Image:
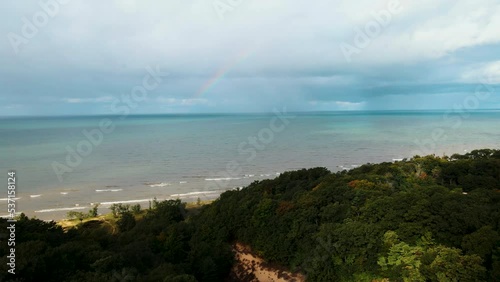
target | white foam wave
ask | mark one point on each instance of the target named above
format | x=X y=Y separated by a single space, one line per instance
x=64 y=193
x=162 y=184
x=6 y=199
x=222 y=179
x=9 y=215
x=190 y=194
x=35 y=196
x=127 y=201
x=61 y=209
x=183 y=182
x=108 y=190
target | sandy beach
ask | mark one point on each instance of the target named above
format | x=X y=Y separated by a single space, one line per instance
x=250 y=267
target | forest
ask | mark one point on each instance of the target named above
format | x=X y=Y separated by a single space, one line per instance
x=428 y=218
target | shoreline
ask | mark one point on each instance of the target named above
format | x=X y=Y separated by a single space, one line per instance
x=61 y=213
x=56 y=213
x=68 y=223
x=53 y=204
x=111 y=194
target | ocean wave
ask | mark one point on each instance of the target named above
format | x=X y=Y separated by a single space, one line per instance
x=190 y=194
x=348 y=167
x=183 y=182
x=35 y=196
x=222 y=179
x=127 y=201
x=8 y=215
x=61 y=209
x=6 y=199
x=161 y=184
x=194 y=176
x=64 y=193
x=108 y=190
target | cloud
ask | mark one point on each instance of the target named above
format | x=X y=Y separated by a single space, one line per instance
x=182 y=102
x=349 y=105
x=263 y=54
x=488 y=73
x=105 y=99
x=337 y=105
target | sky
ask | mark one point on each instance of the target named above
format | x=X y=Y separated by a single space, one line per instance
x=71 y=57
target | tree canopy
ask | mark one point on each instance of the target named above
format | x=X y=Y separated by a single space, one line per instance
x=427 y=218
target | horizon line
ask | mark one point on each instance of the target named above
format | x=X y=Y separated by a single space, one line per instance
x=238 y=113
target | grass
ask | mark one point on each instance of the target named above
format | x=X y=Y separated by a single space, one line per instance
x=70 y=223
x=108 y=218
x=192 y=205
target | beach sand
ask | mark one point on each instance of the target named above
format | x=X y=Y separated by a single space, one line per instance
x=249 y=267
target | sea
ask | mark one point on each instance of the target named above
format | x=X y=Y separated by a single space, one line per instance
x=69 y=163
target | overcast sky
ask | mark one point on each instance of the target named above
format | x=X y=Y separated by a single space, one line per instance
x=80 y=57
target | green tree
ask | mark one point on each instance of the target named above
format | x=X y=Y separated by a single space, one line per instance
x=77 y=215
x=126 y=221
x=482 y=242
x=427 y=261
x=450 y=265
x=93 y=212
x=136 y=209
x=118 y=209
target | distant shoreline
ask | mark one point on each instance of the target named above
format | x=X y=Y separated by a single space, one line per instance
x=67 y=222
x=60 y=213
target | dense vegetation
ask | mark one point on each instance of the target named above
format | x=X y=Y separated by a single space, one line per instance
x=425 y=219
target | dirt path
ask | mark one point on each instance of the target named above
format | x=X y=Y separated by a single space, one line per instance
x=249 y=267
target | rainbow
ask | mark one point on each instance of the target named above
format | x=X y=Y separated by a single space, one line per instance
x=221 y=72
